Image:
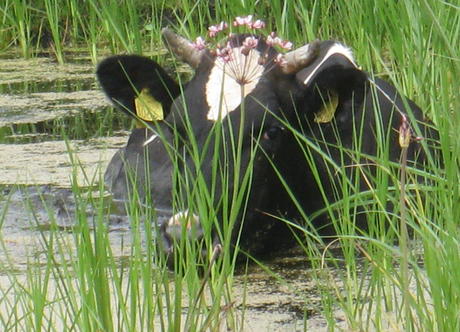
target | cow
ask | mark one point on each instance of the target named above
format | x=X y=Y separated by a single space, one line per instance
x=253 y=126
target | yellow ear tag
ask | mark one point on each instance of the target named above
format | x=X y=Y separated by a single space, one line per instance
x=147 y=108
x=327 y=112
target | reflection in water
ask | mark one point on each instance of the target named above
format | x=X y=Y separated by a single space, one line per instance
x=58 y=85
x=79 y=124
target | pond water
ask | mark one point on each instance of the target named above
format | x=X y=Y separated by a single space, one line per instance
x=52 y=116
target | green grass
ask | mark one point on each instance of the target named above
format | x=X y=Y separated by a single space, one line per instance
x=79 y=283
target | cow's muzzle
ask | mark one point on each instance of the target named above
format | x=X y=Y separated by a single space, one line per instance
x=182 y=234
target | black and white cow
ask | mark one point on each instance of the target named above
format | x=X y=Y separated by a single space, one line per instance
x=286 y=119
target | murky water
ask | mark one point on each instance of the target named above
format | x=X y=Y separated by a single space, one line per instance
x=41 y=107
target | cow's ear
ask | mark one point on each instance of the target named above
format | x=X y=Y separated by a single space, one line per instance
x=335 y=81
x=138 y=86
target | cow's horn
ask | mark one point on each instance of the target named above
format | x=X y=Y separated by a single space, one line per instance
x=300 y=58
x=182 y=48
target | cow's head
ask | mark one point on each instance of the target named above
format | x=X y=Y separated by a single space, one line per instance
x=231 y=128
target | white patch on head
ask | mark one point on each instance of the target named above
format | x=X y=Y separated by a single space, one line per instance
x=224 y=87
x=335 y=49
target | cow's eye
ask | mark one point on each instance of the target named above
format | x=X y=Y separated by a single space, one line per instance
x=273 y=132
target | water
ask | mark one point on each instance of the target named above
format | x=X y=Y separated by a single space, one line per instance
x=45 y=109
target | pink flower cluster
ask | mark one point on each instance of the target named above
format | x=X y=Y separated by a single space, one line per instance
x=250 y=43
x=247 y=21
x=280 y=60
x=214 y=29
x=199 y=43
x=225 y=53
x=274 y=40
x=239 y=21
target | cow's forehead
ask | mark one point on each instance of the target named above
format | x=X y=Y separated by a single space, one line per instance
x=230 y=81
